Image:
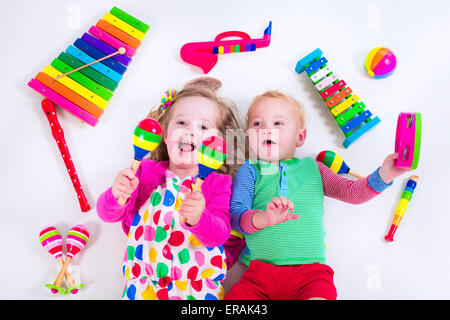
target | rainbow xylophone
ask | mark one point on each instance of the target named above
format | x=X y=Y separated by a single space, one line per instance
x=82 y=79
x=349 y=112
x=86 y=93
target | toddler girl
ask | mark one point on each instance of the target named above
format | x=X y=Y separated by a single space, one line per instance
x=166 y=258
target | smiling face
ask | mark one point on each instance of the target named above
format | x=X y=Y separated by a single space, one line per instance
x=275 y=129
x=193 y=120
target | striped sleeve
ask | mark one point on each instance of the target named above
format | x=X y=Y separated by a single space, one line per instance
x=350 y=191
x=242 y=194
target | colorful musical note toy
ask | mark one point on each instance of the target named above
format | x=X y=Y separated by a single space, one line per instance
x=51 y=240
x=210 y=156
x=336 y=164
x=401 y=207
x=76 y=240
x=146 y=138
x=408 y=139
x=348 y=111
x=82 y=79
x=204 y=54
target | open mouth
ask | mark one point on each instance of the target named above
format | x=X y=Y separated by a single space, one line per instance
x=186 y=146
x=268 y=142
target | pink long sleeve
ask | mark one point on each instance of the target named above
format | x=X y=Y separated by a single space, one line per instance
x=347 y=190
x=334 y=186
x=212 y=230
x=150 y=174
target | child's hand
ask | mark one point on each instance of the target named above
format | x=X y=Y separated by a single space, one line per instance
x=192 y=207
x=388 y=171
x=276 y=213
x=124 y=184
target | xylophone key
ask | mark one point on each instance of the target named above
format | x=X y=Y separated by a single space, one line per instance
x=113 y=42
x=320 y=74
x=125 y=27
x=56 y=86
x=338 y=97
x=76 y=87
x=82 y=79
x=63 y=102
x=334 y=88
x=356 y=121
x=89 y=72
x=341 y=107
x=343 y=118
x=122 y=25
x=106 y=49
x=100 y=67
x=326 y=82
x=132 y=21
x=97 y=54
x=119 y=34
x=316 y=65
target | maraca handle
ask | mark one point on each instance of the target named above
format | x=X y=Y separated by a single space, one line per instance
x=58 y=134
x=134 y=167
x=61 y=273
x=196 y=187
x=69 y=279
x=356 y=175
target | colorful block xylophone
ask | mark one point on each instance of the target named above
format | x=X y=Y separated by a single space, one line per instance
x=349 y=112
x=82 y=79
x=86 y=93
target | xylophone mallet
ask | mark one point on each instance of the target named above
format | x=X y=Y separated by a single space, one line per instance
x=333 y=161
x=146 y=138
x=401 y=207
x=210 y=156
x=120 y=51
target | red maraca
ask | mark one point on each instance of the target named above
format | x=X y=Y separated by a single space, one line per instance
x=147 y=136
x=77 y=239
x=51 y=240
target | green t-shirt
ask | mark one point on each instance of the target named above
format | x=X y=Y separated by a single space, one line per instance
x=298 y=241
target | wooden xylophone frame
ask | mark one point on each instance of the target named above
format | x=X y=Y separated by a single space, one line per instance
x=348 y=111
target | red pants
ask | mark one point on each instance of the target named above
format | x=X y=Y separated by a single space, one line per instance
x=264 y=281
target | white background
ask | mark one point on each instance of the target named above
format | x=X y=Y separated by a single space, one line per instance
x=35 y=187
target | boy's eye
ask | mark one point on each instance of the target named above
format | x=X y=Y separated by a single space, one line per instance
x=278 y=123
x=257 y=123
x=203 y=127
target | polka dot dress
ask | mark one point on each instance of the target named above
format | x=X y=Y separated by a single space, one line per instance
x=163 y=260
